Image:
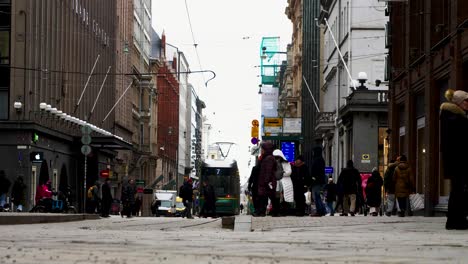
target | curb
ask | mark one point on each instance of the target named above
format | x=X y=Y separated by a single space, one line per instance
x=25 y=219
x=243 y=223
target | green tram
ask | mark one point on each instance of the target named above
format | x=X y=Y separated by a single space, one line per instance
x=224 y=176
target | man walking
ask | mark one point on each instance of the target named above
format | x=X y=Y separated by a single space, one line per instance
x=186 y=193
x=350 y=184
x=318 y=181
x=106 y=198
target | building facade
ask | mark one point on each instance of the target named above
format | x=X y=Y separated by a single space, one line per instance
x=428 y=54
x=48 y=50
x=353 y=118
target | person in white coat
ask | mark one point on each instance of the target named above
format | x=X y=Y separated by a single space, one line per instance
x=285 y=186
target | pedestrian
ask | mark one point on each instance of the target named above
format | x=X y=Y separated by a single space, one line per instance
x=252 y=187
x=128 y=198
x=106 y=201
x=241 y=207
x=4 y=188
x=374 y=192
x=18 y=193
x=209 y=206
x=300 y=172
x=350 y=184
x=330 y=197
x=93 y=198
x=285 y=183
x=186 y=193
x=404 y=184
x=317 y=171
x=454 y=141
x=389 y=185
x=266 y=178
x=137 y=206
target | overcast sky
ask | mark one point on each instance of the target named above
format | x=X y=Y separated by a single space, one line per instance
x=228 y=34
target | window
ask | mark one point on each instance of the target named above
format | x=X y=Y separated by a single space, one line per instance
x=4 y=47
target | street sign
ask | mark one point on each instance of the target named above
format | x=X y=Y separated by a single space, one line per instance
x=255 y=123
x=254 y=141
x=86 y=139
x=328 y=170
x=86 y=130
x=147 y=191
x=254 y=132
x=85 y=150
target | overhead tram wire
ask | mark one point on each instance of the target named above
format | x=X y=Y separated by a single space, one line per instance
x=195 y=45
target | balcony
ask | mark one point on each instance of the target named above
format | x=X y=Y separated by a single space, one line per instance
x=325 y=122
x=363 y=100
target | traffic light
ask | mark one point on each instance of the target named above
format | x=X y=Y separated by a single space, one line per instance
x=35 y=137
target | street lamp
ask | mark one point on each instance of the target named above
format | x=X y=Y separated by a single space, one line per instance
x=362 y=78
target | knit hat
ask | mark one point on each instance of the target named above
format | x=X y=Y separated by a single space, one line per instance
x=459 y=96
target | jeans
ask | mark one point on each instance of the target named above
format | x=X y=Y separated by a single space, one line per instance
x=188 y=209
x=319 y=206
x=330 y=208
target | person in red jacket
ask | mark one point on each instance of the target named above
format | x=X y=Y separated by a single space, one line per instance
x=43 y=192
x=266 y=177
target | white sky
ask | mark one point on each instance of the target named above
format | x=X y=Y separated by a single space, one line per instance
x=228 y=34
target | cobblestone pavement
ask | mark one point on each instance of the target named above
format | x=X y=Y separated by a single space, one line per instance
x=274 y=240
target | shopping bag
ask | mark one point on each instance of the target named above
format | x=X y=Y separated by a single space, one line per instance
x=416 y=201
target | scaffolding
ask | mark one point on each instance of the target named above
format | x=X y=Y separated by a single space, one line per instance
x=270 y=60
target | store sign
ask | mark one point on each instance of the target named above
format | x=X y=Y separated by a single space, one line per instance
x=36 y=157
x=292 y=125
x=272 y=126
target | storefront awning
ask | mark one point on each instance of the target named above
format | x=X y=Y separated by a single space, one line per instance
x=110 y=143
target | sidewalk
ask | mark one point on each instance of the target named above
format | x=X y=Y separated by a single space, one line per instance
x=37 y=218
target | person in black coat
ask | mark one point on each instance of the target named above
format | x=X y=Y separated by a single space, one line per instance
x=252 y=187
x=106 y=201
x=300 y=172
x=18 y=193
x=374 y=192
x=209 y=207
x=349 y=183
x=128 y=198
x=317 y=171
x=454 y=141
x=186 y=193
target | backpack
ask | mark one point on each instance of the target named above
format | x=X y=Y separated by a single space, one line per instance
x=279 y=171
x=90 y=192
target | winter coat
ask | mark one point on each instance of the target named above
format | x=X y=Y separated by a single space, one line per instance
x=332 y=191
x=298 y=176
x=349 y=181
x=186 y=192
x=403 y=178
x=42 y=191
x=266 y=177
x=374 y=190
x=128 y=194
x=454 y=140
x=18 y=192
x=288 y=191
x=253 y=180
x=210 y=197
x=317 y=170
x=106 y=194
x=388 y=178
x=4 y=183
